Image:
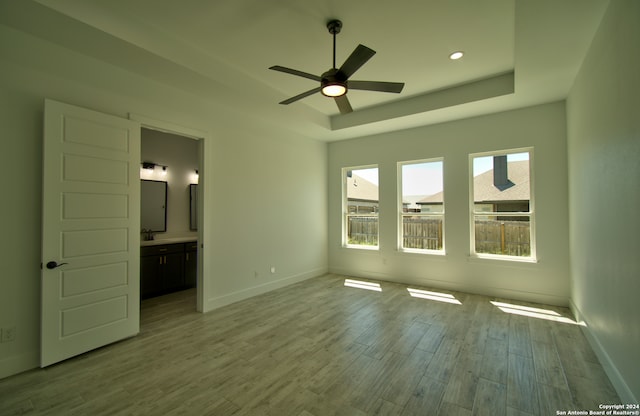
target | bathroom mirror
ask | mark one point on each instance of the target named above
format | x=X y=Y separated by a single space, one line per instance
x=153 y=205
x=193 y=205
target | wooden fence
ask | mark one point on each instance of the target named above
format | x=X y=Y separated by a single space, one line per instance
x=363 y=231
x=510 y=238
x=418 y=232
x=422 y=233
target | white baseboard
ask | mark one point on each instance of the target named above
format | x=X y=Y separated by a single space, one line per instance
x=19 y=363
x=542 y=298
x=220 y=301
x=623 y=390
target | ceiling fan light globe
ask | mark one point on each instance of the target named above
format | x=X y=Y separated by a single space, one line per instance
x=334 y=90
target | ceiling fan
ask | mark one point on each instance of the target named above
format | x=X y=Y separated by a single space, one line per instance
x=335 y=82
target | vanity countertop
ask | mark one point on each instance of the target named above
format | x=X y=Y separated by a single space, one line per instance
x=174 y=240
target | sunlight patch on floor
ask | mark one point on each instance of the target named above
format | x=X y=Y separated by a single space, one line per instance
x=539 y=313
x=363 y=285
x=440 y=297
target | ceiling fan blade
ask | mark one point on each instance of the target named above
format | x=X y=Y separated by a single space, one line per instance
x=295 y=72
x=343 y=104
x=376 y=86
x=360 y=55
x=301 y=96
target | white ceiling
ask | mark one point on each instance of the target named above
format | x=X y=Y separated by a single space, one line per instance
x=230 y=44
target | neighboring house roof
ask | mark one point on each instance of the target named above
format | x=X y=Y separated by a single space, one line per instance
x=412 y=199
x=431 y=199
x=360 y=189
x=518 y=175
x=486 y=191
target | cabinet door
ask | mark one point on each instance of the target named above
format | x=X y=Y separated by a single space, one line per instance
x=190 y=264
x=150 y=282
x=173 y=271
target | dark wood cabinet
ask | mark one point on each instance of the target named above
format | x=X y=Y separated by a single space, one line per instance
x=173 y=271
x=166 y=268
x=149 y=270
x=190 y=264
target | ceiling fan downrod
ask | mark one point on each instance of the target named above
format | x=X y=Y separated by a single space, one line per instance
x=334 y=27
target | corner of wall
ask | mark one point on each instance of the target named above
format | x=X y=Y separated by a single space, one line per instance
x=227 y=299
x=620 y=385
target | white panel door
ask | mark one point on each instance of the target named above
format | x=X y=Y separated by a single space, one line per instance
x=90 y=231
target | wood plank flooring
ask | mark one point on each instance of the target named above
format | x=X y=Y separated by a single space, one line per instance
x=319 y=348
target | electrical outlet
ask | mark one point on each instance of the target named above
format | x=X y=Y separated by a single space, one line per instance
x=9 y=334
x=273 y=269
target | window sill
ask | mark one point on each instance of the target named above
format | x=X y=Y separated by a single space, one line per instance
x=438 y=253
x=502 y=259
x=357 y=247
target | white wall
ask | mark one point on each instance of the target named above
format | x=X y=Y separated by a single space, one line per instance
x=270 y=210
x=267 y=186
x=180 y=155
x=542 y=127
x=603 y=121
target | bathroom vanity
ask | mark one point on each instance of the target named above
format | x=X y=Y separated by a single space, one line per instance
x=167 y=266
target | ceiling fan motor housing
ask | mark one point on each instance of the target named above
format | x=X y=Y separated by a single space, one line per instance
x=333 y=77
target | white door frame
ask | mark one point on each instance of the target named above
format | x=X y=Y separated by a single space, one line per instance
x=204 y=199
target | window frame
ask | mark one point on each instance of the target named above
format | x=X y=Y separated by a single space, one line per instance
x=402 y=214
x=346 y=215
x=473 y=214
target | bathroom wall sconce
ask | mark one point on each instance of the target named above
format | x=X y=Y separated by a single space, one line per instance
x=153 y=171
x=152 y=166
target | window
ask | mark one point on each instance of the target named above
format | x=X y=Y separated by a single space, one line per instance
x=421 y=206
x=360 y=205
x=502 y=215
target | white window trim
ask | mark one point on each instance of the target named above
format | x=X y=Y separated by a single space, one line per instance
x=346 y=214
x=401 y=214
x=531 y=214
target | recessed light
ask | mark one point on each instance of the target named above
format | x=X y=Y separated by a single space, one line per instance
x=456 y=55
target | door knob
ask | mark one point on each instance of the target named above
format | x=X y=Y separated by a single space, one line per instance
x=52 y=265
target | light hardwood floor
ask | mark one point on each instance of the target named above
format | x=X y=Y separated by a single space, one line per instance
x=322 y=348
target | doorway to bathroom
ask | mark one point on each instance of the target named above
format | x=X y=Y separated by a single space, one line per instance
x=169 y=174
x=177 y=154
